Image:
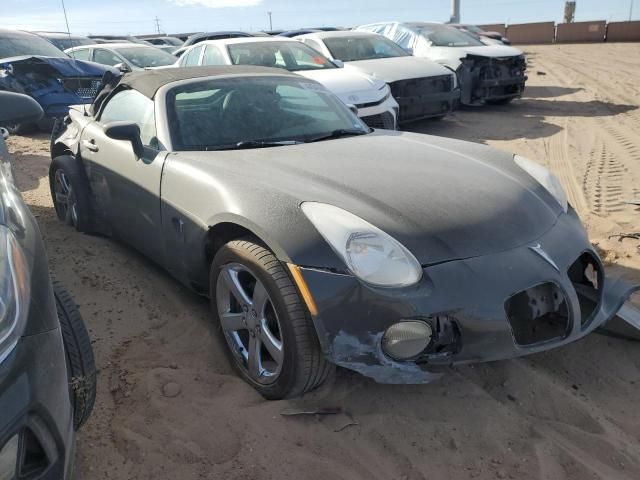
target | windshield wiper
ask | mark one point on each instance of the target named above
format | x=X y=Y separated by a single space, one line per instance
x=246 y=144
x=341 y=132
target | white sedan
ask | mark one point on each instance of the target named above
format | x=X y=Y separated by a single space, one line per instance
x=486 y=73
x=422 y=87
x=371 y=96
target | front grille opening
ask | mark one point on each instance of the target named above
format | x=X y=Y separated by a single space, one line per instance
x=33 y=459
x=538 y=314
x=383 y=120
x=587 y=276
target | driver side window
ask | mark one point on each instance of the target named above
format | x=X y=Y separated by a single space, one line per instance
x=132 y=106
x=105 y=57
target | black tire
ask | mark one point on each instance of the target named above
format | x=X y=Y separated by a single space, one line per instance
x=76 y=209
x=21 y=128
x=80 y=361
x=304 y=366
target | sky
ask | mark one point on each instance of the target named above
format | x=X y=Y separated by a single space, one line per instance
x=182 y=16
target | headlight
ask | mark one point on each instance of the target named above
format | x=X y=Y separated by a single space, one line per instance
x=14 y=292
x=547 y=179
x=369 y=253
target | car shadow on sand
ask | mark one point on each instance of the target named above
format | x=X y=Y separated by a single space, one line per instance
x=529 y=118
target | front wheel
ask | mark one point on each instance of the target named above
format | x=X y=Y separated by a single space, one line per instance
x=270 y=337
x=70 y=193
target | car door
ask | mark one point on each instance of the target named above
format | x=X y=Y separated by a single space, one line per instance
x=127 y=188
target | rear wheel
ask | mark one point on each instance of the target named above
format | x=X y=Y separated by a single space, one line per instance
x=21 y=128
x=270 y=337
x=79 y=353
x=70 y=193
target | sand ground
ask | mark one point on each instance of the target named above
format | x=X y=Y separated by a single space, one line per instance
x=570 y=413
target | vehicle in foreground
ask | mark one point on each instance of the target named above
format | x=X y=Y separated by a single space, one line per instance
x=488 y=37
x=47 y=370
x=321 y=242
x=31 y=65
x=125 y=56
x=63 y=41
x=370 y=96
x=486 y=73
x=421 y=87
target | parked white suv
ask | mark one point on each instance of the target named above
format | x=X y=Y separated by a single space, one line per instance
x=372 y=96
x=486 y=73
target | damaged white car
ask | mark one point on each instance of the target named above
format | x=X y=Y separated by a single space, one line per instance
x=486 y=73
x=421 y=87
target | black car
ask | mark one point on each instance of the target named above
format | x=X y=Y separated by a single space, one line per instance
x=47 y=369
x=31 y=65
x=63 y=41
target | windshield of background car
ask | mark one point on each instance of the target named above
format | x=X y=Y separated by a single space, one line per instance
x=444 y=36
x=292 y=56
x=18 y=45
x=66 y=43
x=219 y=114
x=349 y=49
x=147 y=57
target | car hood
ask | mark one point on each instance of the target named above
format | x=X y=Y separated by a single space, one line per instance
x=65 y=67
x=493 y=51
x=347 y=84
x=443 y=199
x=399 y=68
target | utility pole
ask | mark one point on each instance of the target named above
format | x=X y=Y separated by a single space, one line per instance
x=631 y=10
x=270 y=22
x=455 y=11
x=157 y=22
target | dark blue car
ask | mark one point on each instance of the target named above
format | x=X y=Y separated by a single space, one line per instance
x=31 y=65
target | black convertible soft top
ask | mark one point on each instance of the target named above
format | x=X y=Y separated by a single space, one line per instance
x=148 y=82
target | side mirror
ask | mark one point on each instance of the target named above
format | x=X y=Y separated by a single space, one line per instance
x=353 y=108
x=18 y=108
x=127 y=131
x=338 y=63
x=123 y=67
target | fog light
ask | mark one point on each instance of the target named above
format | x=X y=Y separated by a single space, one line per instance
x=406 y=340
x=9 y=459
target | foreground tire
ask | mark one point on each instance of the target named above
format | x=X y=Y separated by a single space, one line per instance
x=70 y=193
x=79 y=353
x=270 y=337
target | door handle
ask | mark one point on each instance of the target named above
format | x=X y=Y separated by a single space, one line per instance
x=90 y=145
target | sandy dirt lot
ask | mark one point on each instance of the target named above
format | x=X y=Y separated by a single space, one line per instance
x=570 y=413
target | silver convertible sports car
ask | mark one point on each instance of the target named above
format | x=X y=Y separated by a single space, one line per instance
x=320 y=241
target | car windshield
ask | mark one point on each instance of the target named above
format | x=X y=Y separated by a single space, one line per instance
x=349 y=49
x=227 y=114
x=293 y=56
x=18 y=45
x=173 y=41
x=66 y=43
x=147 y=56
x=445 y=36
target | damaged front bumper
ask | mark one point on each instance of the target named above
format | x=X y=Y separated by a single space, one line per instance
x=485 y=80
x=55 y=83
x=498 y=306
x=427 y=97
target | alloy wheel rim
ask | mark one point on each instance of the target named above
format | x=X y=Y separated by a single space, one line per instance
x=65 y=197
x=250 y=323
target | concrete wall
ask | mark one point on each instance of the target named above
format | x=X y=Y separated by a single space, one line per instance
x=543 y=32
x=623 y=32
x=495 y=27
x=581 y=32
